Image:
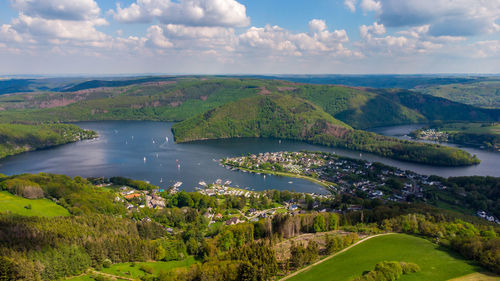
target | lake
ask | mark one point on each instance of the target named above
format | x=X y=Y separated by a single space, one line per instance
x=140 y=150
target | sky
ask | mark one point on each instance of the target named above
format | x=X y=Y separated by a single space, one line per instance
x=68 y=37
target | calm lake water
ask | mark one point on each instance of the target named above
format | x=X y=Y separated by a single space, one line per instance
x=140 y=150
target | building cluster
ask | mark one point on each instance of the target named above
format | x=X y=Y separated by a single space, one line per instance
x=432 y=135
x=140 y=198
x=302 y=163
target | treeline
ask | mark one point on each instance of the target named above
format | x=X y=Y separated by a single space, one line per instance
x=18 y=138
x=33 y=248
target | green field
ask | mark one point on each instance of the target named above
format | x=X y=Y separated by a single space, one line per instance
x=39 y=207
x=472 y=128
x=127 y=270
x=435 y=262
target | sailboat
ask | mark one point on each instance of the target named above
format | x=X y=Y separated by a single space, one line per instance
x=144 y=159
x=166 y=139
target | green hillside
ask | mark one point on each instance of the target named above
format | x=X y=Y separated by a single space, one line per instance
x=18 y=138
x=283 y=116
x=482 y=94
x=29 y=207
x=435 y=262
x=180 y=98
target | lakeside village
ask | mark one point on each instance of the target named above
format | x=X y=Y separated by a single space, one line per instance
x=339 y=175
x=135 y=199
x=344 y=175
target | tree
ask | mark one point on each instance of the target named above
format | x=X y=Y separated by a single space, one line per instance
x=333 y=221
x=319 y=223
x=160 y=253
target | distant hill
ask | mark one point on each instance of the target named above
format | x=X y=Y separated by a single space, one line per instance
x=482 y=94
x=284 y=116
x=183 y=97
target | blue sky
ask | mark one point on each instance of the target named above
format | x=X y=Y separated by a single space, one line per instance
x=249 y=36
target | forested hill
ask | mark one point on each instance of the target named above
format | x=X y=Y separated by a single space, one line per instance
x=180 y=98
x=18 y=138
x=284 y=116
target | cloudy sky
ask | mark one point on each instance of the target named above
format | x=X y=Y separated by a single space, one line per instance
x=249 y=36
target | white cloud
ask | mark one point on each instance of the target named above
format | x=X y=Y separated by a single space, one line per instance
x=7 y=33
x=58 y=9
x=414 y=40
x=351 y=5
x=444 y=17
x=42 y=29
x=376 y=28
x=157 y=38
x=283 y=42
x=371 y=5
x=185 y=12
x=485 y=49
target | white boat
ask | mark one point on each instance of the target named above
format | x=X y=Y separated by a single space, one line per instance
x=228 y=182
x=218 y=181
x=144 y=159
x=161 y=180
x=177 y=184
x=166 y=139
x=290 y=182
x=203 y=183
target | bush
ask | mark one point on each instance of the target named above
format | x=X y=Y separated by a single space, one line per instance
x=146 y=268
x=388 y=271
x=107 y=263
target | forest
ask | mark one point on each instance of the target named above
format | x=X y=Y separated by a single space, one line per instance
x=18 y=138
x=101 y=232
x=288 y=117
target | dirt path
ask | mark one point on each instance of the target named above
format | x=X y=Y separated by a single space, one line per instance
x=329 y=257
x=113 y=276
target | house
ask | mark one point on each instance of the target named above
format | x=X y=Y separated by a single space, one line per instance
x=218 y=216
x=133 y=195
x=233 y=220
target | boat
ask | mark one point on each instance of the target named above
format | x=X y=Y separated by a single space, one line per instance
x=228 y=182
x=166 y=139
x=156 y=155
x=218 y=181
x=161 y=180
x=144 y=159
x=290 y=182
x=177 y=184
x=202 y=183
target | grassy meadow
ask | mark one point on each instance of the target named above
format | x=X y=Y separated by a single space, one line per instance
x=435 y=262
x=39 y=207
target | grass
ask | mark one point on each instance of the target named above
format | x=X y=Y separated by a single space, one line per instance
x=472 y=128
x=436 y=263
x=133 y=270
x=39 y=207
